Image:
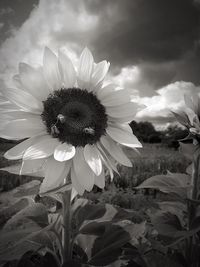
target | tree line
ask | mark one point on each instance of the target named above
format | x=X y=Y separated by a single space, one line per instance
x=146 y=133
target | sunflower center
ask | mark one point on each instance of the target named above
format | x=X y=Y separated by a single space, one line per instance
x=74 y=116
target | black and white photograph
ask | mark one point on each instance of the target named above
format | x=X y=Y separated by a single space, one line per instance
x=100 y=133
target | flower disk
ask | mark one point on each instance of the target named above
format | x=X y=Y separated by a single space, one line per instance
x=74 y=116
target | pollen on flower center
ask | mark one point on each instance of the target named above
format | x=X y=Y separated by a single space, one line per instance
x=74 y=116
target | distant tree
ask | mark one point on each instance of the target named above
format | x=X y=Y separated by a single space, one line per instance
x=154 y=138
x=172 y=135
x=145 y=131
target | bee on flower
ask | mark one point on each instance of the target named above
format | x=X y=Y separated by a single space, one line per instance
x=73 y=124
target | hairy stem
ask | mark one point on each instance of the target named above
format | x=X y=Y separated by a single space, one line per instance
x=67 y=225
x=192 y=205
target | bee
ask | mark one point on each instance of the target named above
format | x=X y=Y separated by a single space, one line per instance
x=54 y=130
x=89 y=130
x=61 y=118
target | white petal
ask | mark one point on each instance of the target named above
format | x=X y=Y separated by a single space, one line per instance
x=7 y=106
x=85 y=68
x=51 y=71
x=32 y=80
x=31 y=166
x=123 y=135
x=78 y=187
x=108 y=161
x=55 y=173
x=67 y=71
x=3 y=123
x=106 y=90
x=92 y=157
x=115 y=151
x=22 y=128
x=64 y=152
x=84 y=174
x=100 y=180
x=116 y=98
x=17 y=81
x=23 y=100
x=74 y=193
x=125 y=110
x=121 y=120
x=43 y=148
x=17 y=151
x=99 y=72
x=17 y=115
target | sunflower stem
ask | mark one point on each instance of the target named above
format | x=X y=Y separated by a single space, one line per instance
x=67 y=225
x=195 y=194
x=195 y=184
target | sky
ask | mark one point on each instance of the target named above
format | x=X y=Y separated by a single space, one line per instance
x=153 y=46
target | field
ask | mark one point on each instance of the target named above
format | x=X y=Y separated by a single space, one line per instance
x=151 y=160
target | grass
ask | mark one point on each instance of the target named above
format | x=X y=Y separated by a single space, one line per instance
x=153 y=159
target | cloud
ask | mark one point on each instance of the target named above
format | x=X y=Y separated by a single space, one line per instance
x=155 y=35
x=159 y=36
x=153 y=46
x=132 y=78
x=140 y=30
x=1 y=25
x=58 y=24
x=6 y=11
x=169 y=98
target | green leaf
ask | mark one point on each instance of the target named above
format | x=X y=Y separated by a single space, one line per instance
x=111 y=237
x=8 y=199
x=8 y=212
x=25 y=231
x=14 y=243
x=28 y=189
x=127 y=214
x=84 y=211
x=170 y=229
x=34 y=216
x=135 y=230
x=108 y=247
x=166 y=224
x=103 y=229
x=177 y=208
x=178 y=183
x=56 y=191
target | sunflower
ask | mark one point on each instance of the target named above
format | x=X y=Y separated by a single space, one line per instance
x=73 y=124
x=190 y=116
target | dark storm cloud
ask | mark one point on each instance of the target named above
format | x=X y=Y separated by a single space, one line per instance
x=140 y=30
x=13 y=13
x=189 y=68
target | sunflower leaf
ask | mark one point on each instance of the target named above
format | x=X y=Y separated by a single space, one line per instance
x=103 y=230
x=178 y=183
x=26 y=230
x=111 y=237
